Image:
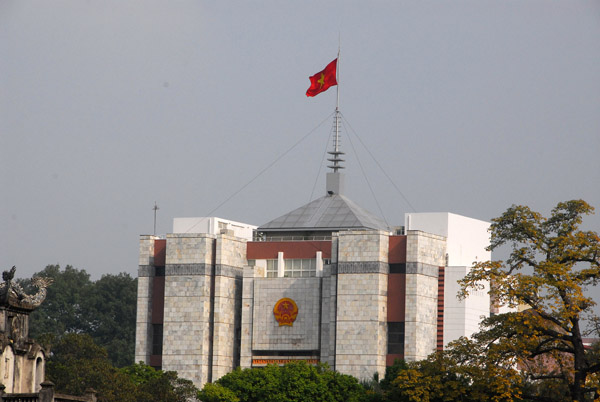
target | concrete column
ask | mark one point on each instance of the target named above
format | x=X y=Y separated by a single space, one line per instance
x=187 y=324
x=319 y=264
x=143 y=326
x=250 y=273
x=328 y=311
x=231 y=258
x=361 y=326
x=425 y=253
x=280 y=265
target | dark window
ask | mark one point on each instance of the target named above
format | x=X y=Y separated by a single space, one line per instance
x=277 y=353
x=395 y=338
x=399 y=268
x=157 y=339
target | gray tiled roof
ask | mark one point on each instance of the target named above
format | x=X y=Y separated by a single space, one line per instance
x=331 y=212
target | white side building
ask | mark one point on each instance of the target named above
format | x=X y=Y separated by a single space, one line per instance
x=213 y=225
x=466 y=242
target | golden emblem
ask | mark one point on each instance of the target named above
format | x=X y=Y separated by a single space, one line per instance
x=285 y=311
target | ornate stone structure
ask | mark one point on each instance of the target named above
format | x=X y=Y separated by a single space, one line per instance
x=23 y=361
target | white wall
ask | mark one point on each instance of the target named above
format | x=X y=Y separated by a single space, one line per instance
x=462 y=317
x=466 y=241
x=211 y=225
x=467 y=238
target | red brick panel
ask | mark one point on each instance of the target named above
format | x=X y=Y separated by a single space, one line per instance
x=267 y=250
x=396 y=297
x=158 y=299
x=397 y=249
x=440 y=319
x=160 y=247
x=389 y=359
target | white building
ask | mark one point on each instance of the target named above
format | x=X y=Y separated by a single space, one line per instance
x=466 y=243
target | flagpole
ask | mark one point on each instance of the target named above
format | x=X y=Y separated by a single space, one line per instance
x=337 y=78
x=337 y=107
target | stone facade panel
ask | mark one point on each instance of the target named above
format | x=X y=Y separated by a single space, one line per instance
x=426 y=248
x=361 y=327
x=267 y=334
x=189 y=248
x=143 y=325
x=230 y=251
x=146 y=256
x=363 y=246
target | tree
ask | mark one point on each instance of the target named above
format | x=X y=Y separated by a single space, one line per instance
x=551 y=263
x=392 y=372
x=111 y=316
x=63 y=310
x=217 y=393
x=77 y=364
x=296 y=381
x=159 y=386
x=454 y=375
x=104 y=309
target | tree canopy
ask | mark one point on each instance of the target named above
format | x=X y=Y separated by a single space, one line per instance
x=296 y=381
x=104 y=309
x=551 y=263
x=77 y=364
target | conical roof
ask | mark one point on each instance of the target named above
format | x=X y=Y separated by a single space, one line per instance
x=331 y=212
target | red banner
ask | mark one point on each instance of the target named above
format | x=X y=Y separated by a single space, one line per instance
x=323 y=80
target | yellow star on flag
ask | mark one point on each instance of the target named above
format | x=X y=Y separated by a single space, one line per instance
x=321 y=80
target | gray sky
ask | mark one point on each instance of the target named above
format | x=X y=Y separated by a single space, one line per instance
x=108 y=106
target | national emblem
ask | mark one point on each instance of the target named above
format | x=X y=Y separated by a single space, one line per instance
x=285 y=311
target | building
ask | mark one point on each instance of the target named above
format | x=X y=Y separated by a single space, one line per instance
x=327 y=282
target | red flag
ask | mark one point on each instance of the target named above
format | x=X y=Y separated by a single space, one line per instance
x=321 y=81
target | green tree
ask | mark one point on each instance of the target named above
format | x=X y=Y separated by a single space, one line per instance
x=392 y=372
x=295 y=381
x=111 y=316
x=77 y=364
x=63 y=310
x=104 y=309
x=551 y=263
x=159 y=386
x=217 y=393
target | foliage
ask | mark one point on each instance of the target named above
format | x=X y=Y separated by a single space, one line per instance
x=62 y=311
x=165 y=387
x=217 y=393
x=112 y=306
x=104 y=309
x=378 y=391
x=141 y=373
x=550 y=265
x=392 y=372
x=448 y=376
x=77 y=364
x=296 y=381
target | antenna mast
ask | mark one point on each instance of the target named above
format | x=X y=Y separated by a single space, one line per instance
x=335 y=154
x=156 y=208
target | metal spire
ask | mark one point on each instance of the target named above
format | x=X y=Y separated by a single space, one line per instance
x=156 y=208
x=335 y=154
